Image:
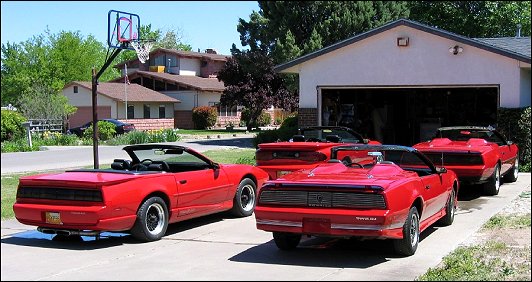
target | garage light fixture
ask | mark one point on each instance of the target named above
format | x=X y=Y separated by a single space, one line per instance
x=402 y=41
x=456 y=50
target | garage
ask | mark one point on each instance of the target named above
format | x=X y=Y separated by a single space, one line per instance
x=399 y=82
x=400 y=115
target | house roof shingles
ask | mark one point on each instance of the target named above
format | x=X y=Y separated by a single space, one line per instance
x=195 y=82
x=135 y=92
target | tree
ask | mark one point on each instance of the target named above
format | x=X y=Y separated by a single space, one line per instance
x=314 y=21
x=250 y=81
x=51 y=60
x=474 y=18
x=42 y=101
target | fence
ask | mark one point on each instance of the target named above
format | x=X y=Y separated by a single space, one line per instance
x=42 y=125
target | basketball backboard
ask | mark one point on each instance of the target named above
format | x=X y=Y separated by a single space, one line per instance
x=122 y=28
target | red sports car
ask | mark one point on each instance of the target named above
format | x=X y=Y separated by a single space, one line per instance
x=161 y=184
x=310 y=147
x=476 y=154
x=377 y=191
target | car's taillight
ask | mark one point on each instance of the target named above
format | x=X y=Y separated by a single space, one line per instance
x=295 y=155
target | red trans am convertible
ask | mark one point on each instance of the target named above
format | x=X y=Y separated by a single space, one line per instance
x=311 y=146
x=161 y=184
x=476 y=154
x=377 y=191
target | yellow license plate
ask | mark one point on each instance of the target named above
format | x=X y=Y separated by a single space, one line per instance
x=53 y=218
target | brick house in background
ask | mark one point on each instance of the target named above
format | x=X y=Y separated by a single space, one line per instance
x=189 y=77
x=147 y=109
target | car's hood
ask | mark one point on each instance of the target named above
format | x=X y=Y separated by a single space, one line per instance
x=445 y=144
x=338 y=174
x=96 y=177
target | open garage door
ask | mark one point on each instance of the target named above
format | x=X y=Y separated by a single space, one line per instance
x=406 y=116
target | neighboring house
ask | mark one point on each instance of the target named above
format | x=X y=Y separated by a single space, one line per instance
x=398 y=82
x=187 y=76
x=147 y=109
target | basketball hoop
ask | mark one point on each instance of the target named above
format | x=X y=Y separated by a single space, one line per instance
x=142 y=47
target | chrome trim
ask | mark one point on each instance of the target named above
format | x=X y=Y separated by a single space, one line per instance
x=280 y=223
x=364 y=227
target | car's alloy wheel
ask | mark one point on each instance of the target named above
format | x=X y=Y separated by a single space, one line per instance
x=245 y=198
x=492 y=187
x=408 y=244
x=514 y=172
x=152 y=220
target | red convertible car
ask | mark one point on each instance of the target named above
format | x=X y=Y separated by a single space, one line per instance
x=476 y=154
x=311 y=146
x=161 y=184
x=377 y=192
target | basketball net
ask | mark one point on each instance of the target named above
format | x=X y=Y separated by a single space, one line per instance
x=142 y=47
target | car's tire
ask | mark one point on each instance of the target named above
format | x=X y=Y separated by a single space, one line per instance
x=492 y=187
x=407 y=246
x=152 y=220
x=245 y=198
x=286 y=241
x=450 y=210
x=512 y=175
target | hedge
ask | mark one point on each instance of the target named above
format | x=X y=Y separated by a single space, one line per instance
x=514 y=123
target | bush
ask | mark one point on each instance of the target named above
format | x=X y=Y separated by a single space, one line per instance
x=269 y=136
x=290 y=121
x=515 y=125
x=204 y=117
x=12 y=125
x=106 y=131
x=264 y=119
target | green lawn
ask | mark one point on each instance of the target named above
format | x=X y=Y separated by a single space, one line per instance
x=10 y=182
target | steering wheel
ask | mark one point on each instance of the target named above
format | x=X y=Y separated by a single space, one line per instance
x=142 y=165
x=312 y=139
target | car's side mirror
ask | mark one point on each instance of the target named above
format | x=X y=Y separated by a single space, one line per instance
x=441 y=170
x=215 y=166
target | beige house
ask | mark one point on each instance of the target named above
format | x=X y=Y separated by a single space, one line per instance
x=147 y=109
x=189 y=77
x=398 y=82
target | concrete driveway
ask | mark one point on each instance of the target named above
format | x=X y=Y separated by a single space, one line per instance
x=220 y=247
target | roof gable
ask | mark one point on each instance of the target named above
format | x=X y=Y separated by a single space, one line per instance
x=518 y=53
x=135 y=92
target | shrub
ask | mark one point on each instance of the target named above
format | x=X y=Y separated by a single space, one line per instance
x=204 y=117
x=12 y=125
x=290 y=121
x=106 y=130
x=515 y=125
x=281 y=134
x=264 y=119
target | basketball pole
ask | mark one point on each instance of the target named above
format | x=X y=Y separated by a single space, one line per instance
x=95 y=77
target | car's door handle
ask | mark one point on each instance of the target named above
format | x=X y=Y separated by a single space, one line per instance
x=183 y=181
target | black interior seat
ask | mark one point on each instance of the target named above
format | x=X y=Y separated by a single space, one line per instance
x=298 y=138
x=120 y=164
x=333 y=138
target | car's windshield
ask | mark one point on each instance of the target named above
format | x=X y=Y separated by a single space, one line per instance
x=169 y=155
x=466 y=134
x=329 y=134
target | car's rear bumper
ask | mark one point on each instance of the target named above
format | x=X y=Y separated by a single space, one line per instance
x=329 y=222
x=72 y=217
x=471 y=174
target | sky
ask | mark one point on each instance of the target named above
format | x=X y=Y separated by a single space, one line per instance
x=203 y=24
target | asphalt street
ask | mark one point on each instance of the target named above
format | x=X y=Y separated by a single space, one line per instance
x=64 y=157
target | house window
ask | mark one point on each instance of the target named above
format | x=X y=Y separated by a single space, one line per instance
x=146 y=111
x=130 y=111
x=224 y=111
x=75 y=89
x=162 y=111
